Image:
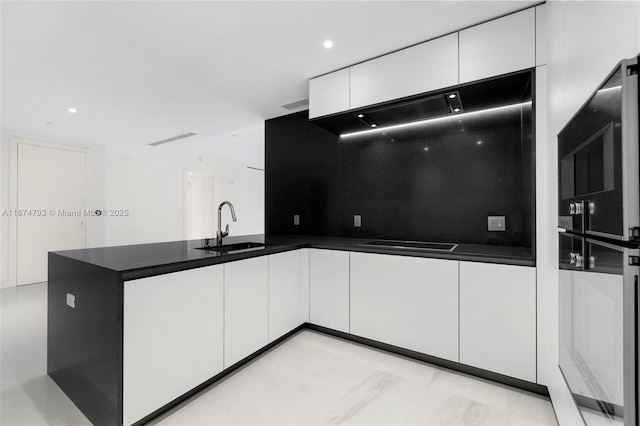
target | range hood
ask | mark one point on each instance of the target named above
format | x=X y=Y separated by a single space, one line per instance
x=418 y=109
x=507 y=90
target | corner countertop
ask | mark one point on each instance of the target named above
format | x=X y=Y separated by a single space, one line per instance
x=144 y=260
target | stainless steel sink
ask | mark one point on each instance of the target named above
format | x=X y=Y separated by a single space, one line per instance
x=410 y=245
x=233 y=247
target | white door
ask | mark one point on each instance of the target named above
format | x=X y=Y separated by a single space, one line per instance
x=51 y=198
x=199 y=208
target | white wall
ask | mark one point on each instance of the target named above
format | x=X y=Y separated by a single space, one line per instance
x=149 y=182
x=585 y=41
x=150 y=186
x=95 y=192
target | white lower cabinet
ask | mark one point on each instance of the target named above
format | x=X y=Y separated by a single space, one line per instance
x=405 y=301
x=173 y=337
x=285 y=293
x=329 y=289
x=498 y=318
x=246 y=313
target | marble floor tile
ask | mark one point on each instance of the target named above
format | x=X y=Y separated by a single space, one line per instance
x=314 y=379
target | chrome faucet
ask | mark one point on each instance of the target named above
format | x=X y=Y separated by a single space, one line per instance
x=221 y=234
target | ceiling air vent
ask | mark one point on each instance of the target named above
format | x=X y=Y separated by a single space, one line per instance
x=296 y=104
x=173 y=139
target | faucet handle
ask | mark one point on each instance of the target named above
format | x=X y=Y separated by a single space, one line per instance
x=226 y=231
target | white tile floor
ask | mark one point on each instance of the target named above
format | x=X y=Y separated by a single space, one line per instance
x=309 y=379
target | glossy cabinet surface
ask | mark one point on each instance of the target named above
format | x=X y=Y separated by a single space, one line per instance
x=246 y=313
x=329 y=289
x=285 y=293
x=498 y=318
x=406 y=301
x=173 y=337
x=329 y=93
x=416 y=69
x=498 y=47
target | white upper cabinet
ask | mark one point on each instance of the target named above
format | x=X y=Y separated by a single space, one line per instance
x=329 y=93
x=511 y=43
x=498 y=47
x=498 y=318
x=421 y=68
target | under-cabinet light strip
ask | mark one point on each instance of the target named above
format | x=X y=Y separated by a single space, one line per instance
x=437 y=119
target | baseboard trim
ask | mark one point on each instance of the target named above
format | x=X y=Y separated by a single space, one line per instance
x=451 y=365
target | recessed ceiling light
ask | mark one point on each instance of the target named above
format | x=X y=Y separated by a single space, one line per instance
x=360 y=115
x=328 y=44
x=479 y=142
x=73 y=110
x=374 y=125
x=426 y=148
x=456 y=110
x=452 y=96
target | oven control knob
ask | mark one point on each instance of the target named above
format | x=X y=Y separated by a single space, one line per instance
x=592 y=207
x=578 y=208
x=572 y=258
x=578 y=261
x=572 y=208
x=592 y=262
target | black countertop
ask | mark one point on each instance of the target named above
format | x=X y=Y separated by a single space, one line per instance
x=143 y=260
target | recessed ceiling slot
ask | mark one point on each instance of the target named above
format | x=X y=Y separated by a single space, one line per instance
x=173 y=139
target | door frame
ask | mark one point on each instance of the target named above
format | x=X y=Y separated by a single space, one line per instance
x=14 y=142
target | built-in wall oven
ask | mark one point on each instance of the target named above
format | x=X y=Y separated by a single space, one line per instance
x=599 y=220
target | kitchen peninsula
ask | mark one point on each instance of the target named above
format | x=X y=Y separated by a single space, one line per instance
x=133 y=330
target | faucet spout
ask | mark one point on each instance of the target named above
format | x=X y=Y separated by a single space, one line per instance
x=220 y=235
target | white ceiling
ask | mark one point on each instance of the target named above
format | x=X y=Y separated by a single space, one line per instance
x=143 y=71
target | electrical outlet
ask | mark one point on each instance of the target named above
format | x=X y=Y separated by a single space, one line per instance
x=496 y=223
x=357 y=221
x=296 y=219
x=71 y=300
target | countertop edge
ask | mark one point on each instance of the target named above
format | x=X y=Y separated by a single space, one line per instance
x=133 y=274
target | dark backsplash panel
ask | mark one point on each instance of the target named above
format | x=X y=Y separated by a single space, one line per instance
x=302 y=177
x=436 y=182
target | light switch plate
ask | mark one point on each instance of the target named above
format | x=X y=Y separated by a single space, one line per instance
x=496 y=223
x=296 y=219
x=71 y=300
x=357 y=221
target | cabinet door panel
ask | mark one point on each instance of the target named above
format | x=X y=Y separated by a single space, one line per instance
x=406 y=301
x=329 y=93
x=421 y=68
x=329 y=289
x=304 y=285
x=246 y=308
x=172 y=337
x=498 y=47
x=285 y=295
x=498 y=318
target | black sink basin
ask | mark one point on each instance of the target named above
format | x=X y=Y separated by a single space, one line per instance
x=233 y=247
x=410 y=245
